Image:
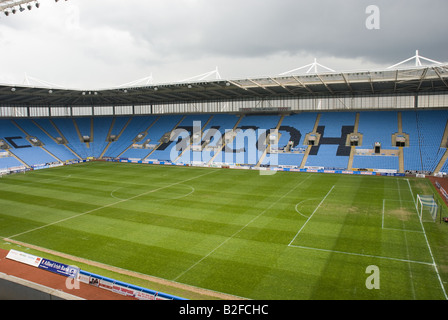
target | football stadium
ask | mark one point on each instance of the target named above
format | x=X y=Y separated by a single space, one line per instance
x=301 y=186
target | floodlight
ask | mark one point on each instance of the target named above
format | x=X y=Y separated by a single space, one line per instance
x=6 y=13
x=21 y=9
x=37 y=4
x=29 y=7
x=14 y=10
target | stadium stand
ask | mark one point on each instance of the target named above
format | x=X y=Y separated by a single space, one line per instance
x=49 y=143
x=130 y=136
x=377 y=127
x=332 y=152
x=21 y=147
x=302 y=122
x=289 y=159
x=161 y=135
x=376 y=162
x=213 y=138
x=99 y=141
x=334 y=121
x=9 y=162
x=412 y=156
x=251 y=133
x=124 y=132
x=70 y=132
x=431 y=126
x=328 y=158
x=152 y=137
x=426 y=130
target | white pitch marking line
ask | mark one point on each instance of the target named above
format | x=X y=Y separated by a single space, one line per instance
x=309 y=218
x=363 y=255
x=297 y=205
x=393 y=229
x=429 y=247
x=107 y=205
x=241 y=229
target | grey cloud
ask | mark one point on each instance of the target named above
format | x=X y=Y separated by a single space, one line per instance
x=254 y=28
x=130 y=38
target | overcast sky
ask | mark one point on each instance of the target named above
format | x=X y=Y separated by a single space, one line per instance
x=107 y=43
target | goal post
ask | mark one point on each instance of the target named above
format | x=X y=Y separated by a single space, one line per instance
x=427 y=207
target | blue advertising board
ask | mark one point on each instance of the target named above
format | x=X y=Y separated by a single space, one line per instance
x=59 y=268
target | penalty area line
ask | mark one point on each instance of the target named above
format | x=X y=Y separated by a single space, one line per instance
x=363 y=255
x=241 y=229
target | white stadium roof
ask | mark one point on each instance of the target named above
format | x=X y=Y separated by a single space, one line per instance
x=413 y=80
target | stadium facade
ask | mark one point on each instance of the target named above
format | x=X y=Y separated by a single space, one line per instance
x=415 y=87
x=389 y=121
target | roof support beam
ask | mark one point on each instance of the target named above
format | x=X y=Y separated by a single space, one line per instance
x=440 y=76
x=302 y=84
x=326 y=85
x=422 y=78
x=261 y=86
x=243 y=87
x=371 y=83
x=281 y=85
x=347 y=82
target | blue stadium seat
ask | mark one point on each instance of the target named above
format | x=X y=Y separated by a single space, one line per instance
x=9 y=162
x=60 y=152
x=327 y=157
x=376 y=162
x=424 y=127
x=378 y=126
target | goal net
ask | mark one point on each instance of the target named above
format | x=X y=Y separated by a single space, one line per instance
x=427 y=207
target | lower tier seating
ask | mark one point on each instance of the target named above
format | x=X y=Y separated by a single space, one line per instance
x=234 y=139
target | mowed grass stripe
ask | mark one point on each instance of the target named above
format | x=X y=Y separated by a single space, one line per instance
x=193 y=224
x=57 y=190
x=93 y=225
x=107 y=205
x=46 y=201
x=166 y=235
x=160 y=246
x=136 y=256
x=242 y=228
x=249 y=217
x=64 y=192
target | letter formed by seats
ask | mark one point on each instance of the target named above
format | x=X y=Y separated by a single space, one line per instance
x=373 y=281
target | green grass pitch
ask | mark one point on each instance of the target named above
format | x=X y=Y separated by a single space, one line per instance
x=286 y=236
